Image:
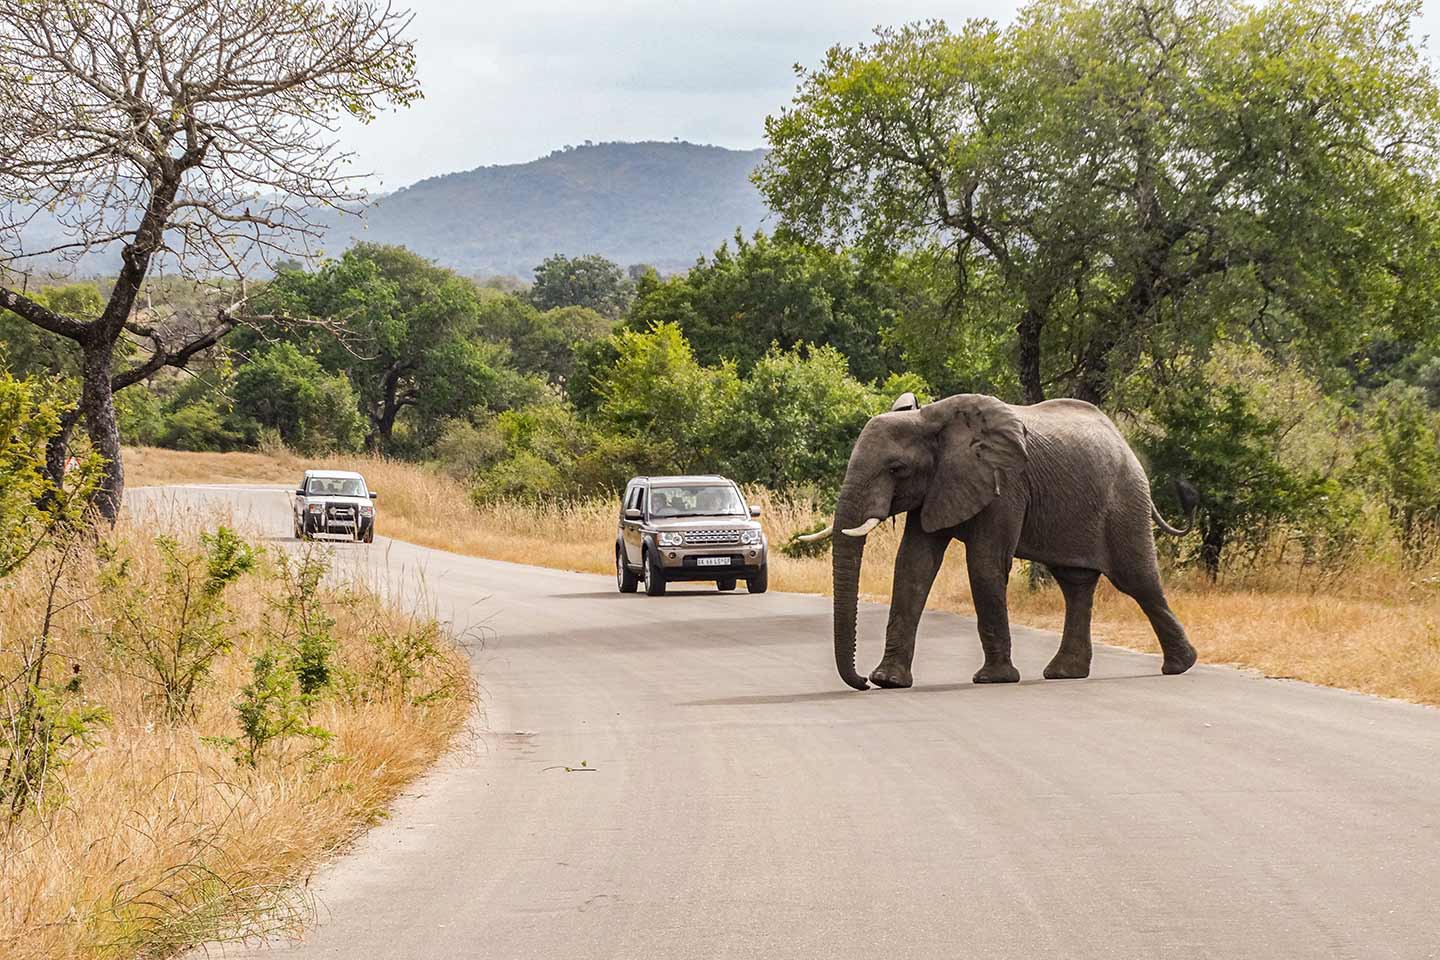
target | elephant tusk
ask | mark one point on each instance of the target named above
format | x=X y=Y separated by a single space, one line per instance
x=864 y=528
x=818 y=535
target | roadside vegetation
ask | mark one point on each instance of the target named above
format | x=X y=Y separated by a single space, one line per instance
x=189 y=723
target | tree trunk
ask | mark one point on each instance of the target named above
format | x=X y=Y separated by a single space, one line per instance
x=1213 y=537
x=97 y=407
x=382 y=421
x=1029 y=332
x=57 y=449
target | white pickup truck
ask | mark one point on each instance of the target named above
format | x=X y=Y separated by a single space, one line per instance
x=334 y=504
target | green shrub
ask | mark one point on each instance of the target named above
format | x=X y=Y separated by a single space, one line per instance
x=1215 y=438
x=1399 y=463
x=169 y=634
x=285 y=390
x=272 y=708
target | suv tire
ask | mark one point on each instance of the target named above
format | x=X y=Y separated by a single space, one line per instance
x=370 y=534
x=725 y=585
x=760 y=581
x=625 y=578
x=654 y=576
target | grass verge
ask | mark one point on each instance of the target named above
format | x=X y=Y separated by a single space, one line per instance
x=1373 y=627
x=154 y=830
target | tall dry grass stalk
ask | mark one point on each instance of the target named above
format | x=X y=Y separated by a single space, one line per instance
x=1372 y=625
x=156 y=837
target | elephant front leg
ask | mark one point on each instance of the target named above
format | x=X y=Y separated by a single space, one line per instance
x=916 y=564
x=1072 y=660
x=988 y=583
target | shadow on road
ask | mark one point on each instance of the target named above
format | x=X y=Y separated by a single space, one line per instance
x=636 y=597
x=824 y=695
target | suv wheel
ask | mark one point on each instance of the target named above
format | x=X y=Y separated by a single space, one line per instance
x=624 y=578
x=760 y=581
x=654 y=576
x=370 y=534
x=725 y=585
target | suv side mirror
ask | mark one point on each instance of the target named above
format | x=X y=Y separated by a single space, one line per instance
x=374 y=495
x=300 y=492
x=633 y=513
x=754 y=510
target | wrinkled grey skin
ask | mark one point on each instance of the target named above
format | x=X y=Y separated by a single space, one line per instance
x=1054 y=483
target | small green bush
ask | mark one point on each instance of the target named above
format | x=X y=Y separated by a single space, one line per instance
x=170 y=634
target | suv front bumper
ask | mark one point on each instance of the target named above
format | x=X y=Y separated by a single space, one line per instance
x=685 y=562
x=318 y=525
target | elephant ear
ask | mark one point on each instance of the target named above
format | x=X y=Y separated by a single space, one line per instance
x=906 y=401
x=980 y=442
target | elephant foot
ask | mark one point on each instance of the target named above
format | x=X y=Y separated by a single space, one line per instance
x=1179 y=661
x=891 y=676
x=997 y=673
x=1067 y=668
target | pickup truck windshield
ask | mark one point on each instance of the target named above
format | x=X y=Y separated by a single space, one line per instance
x=335 y=487
x=710 y=500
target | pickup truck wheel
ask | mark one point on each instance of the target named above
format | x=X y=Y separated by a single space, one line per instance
x=370 y=534
x=724 y=586
x=625 y=578
x=654 y=576
x=759 y=582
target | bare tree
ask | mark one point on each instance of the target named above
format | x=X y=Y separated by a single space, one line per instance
x=188 y=135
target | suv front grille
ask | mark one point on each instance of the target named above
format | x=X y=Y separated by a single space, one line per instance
x=699 y=537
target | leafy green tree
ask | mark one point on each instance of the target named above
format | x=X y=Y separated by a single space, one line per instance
x=1213 y=437
x=284 y=390
x=33 y=350
x=795 y=418
x=1124 y=180
x=203 y=425
x=1399 y=462
x=590 y=281
x=543 y=343
x=406 y=330
x=657 y=389
x=734 y=305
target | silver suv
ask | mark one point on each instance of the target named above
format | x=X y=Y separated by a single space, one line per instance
x=688 y=528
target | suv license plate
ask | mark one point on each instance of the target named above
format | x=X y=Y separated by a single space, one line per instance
x=712 y=561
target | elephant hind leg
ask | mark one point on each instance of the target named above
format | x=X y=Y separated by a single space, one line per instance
x=1072 y=660
x=1146 y=591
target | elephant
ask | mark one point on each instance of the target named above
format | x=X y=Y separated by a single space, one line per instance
x=1052 y=482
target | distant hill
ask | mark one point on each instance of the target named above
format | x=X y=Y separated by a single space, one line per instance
x=658 y=203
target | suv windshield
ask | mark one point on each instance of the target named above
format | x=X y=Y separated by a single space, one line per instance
x=709 y=500
x=335 y=487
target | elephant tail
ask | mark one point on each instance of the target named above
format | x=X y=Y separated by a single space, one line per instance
x=1189 y=500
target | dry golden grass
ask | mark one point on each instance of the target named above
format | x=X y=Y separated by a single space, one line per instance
x=156 y=837
x=1375 y=628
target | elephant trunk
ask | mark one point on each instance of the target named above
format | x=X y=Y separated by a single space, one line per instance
x=846 y=554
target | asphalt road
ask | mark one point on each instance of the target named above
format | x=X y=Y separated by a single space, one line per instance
x=738 y=801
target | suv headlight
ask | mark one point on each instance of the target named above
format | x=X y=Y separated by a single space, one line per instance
x=670 y=539
x=314 y=507
x=750 y=536
x=366 y=510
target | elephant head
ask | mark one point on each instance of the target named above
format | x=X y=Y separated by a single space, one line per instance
x=947 y=459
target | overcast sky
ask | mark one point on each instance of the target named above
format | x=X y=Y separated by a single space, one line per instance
x=510 y=80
